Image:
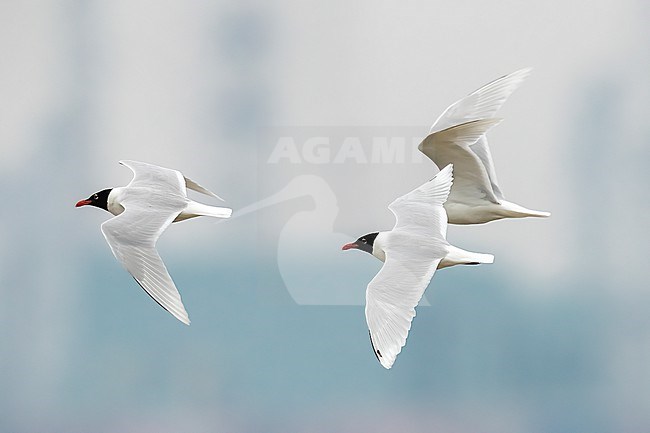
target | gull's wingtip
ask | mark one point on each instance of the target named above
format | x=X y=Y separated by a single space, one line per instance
x=386 y=362
x=525 y=71
x=183 y=318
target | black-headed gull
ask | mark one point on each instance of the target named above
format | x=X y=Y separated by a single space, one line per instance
x=475 y=197
x=143 y=209
x=411 y=252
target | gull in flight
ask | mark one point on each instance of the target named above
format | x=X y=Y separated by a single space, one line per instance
x=475 y=197
x=143 y=209
x=411 y=252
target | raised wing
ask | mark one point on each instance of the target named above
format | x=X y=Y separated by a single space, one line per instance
x=160 y=177
x=482 y=103
x=132 y=236
x=165 y=180
x=453 y=146
x=420 y=211
x=413 y=249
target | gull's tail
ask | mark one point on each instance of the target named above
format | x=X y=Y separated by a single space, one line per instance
x=195 y=209
x=513 y=210
x=458 y=256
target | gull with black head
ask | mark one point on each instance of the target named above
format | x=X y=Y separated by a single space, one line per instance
x=411 y=252
x=143 y=209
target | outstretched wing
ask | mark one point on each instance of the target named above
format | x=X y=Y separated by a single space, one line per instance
x=149 y=174
x=391 y=299
x=165 y=180
x=413 y=249
x=482 y=103
x=421 y=211
x=132 y=236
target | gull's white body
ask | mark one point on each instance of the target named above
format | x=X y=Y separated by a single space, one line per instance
x=144 y=208
x=475 y=197
x=411 y=252
x=453 y=255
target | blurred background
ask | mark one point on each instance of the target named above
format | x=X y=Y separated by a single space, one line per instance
x=553 y=337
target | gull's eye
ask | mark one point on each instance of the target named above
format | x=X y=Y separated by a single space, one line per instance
x=364 y=240
x=95 y=196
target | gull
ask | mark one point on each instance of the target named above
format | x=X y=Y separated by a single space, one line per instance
x=143 y=209
x=411 y=252
x=475 y=197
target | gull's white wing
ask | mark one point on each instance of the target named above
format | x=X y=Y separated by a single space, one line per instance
x=153 y=175
x=482 y=103
x=164 y=180
x=482 y=151
x=161 y=177
x=132 y=236
x=453 y=146
x=413 y=249
x=421 y=211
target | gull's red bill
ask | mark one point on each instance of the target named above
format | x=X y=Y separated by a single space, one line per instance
x=82 y=203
